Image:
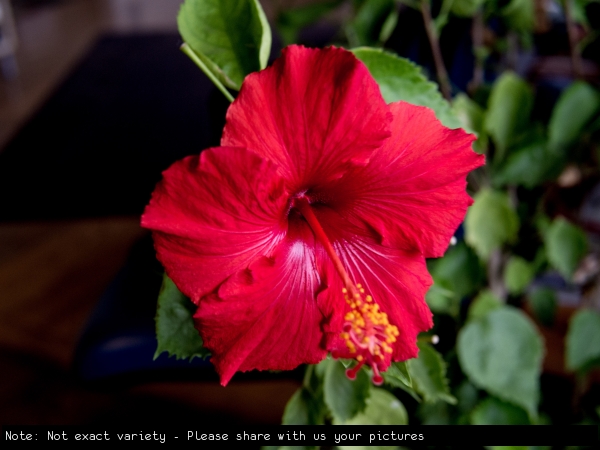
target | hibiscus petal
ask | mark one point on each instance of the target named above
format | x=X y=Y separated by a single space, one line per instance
x=266 y=317
x=396 y=280
x=312 y=113
x=212 y=215
x=413 y=191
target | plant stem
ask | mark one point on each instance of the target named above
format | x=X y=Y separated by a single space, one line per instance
x=512 y=53
x=192 y=55
x=575 y=56
x=495 y=269
x=440 y=68
x=477 y=37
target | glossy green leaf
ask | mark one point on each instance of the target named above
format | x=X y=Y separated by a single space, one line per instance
x=345 y=398
x=400 y=79
x=509 y=108
x=566 y=245
x=297 y=410
x=483 y=304
x=471 y=117
x=575 y=108
x=493 y=411
x=490 y=222
x=397 y=376
x=467 y=396
x=321 y=368
x=365 y=28
x=518 y=273
x=389 y=25
x=175 y=330
x=529 y=166
x=382 y=408
x=232 y=38
x=502 y=353
x=543 y=303
x=303 y=409
x=583 y=340
x=458 y=270
x=428 y=373
x=442 y=300
x=399 y=371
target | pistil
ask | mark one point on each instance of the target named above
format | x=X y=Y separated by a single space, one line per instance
x=366 y=330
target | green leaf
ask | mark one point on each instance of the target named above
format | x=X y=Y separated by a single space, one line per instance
x=345 y=398
x=518 y=273
x=232 y=38
x=459 y=270
x=566 y=245
x=290 y=22
x=399 y=371
x=520 y=15
x=382 y=408
x=467 y=396
x=493 y=411
x=509 y=107
x=400 y=79
x=543 y=304
x=389 y=25
x=365 y=28
x=583 y=340
x=575 y=108
x=471 y=117
x=466 y=8
x=397 y=376
x=321 y=368
x=502 y=353
x=529 y=166
x=483 y=304
x=435 y=413
x=490 y=222
x=303 y=409
x=428 y=373
x=175 y=330
x=442 y=300
x=297 y=411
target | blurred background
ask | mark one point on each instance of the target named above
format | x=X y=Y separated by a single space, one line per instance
x=96 y=100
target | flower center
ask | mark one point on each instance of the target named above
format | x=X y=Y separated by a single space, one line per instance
x=366 y=331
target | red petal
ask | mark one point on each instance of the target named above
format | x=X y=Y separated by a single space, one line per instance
x=396 y=280
x=313 y=112
x=214 y=214
x=413 y=191
x=266 y=317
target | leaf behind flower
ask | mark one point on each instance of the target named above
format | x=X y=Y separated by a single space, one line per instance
x=502 y=353
x=175 y=330
x=401 y=80
x=231 y=37
x=428 y=373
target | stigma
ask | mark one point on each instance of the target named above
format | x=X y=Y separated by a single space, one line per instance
x=368 y=334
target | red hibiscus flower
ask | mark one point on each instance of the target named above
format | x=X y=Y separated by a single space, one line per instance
x=306 y=232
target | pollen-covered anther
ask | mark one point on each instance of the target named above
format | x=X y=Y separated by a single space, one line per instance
x=368 y=333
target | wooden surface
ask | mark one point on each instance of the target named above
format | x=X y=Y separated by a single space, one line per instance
x=51 y=276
